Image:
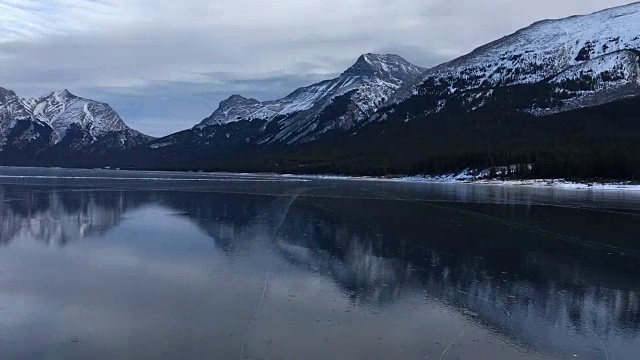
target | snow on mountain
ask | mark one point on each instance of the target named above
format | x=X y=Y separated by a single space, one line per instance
x=541 y=52
x=63 y=112
x=596 y=82
x=583 y=61
x=60 y=110
x=234 y=108
x=619 y=67
x=367 y=85
x=11 y=111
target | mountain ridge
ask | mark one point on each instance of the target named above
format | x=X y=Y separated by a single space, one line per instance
x=389 y=71
x=54 y=118
x=468 y=112
x=305 y=114
x=532 y=54
x=386 y=115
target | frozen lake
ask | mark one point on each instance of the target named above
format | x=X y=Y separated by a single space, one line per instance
x=99 y=264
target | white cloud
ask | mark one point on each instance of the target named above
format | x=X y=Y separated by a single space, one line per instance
x=96 y=46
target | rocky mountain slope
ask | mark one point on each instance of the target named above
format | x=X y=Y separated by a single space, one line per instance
x=583 y=61
x=63 y=121
x=309 y=112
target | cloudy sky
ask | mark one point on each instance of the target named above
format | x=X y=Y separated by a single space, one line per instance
x=165 y=64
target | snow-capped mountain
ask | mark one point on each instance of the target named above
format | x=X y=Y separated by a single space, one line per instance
x=511 y=101
x=12 y=110
x=549 y=67
x=339 y=103
x=61 y=110
x=65 y=119
x=586 y=60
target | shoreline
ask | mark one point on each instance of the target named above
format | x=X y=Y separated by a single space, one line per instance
x=535 y=183
x=462 y=178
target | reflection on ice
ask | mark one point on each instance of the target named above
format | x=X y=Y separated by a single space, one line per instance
x=59 y=217
x=546 y=296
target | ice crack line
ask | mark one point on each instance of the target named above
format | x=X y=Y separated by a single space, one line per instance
x=255 y=316
x=266 y=273
x=455 y=341
x=606 y=354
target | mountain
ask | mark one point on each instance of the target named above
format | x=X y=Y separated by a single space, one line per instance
x=61 y=122
x=12 y=113
x=581 y=61
x=561 y=95
x=339 y=103
x=309 y=112
x=558 y=98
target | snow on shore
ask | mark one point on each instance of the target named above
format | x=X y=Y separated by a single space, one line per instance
x=465 y=178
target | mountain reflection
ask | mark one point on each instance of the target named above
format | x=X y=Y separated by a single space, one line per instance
x=61 y=216
x=541 y=292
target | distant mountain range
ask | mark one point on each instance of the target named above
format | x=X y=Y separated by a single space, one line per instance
x=305 y=115
x=339 y=103
x=559 y=94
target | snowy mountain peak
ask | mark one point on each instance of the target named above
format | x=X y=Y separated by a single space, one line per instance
x=367 y=63
x=63 y=94
x=59 y=96
x=375 y=77
x=61 y=110
x=63 y=113
x=376 y=64
x=237 y=100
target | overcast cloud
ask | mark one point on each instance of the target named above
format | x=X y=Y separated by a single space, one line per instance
x=165 y=64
